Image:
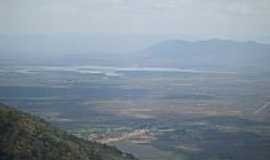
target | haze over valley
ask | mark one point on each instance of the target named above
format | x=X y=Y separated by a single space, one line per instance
x=144 y=79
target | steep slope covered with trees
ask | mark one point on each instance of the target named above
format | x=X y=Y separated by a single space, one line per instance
x=26 y=137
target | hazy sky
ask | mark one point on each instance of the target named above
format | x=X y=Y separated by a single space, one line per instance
x=217 y=18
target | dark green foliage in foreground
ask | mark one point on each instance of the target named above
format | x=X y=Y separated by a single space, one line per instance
x=25 y=137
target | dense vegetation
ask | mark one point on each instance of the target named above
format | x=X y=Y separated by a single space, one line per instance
x=25 y=137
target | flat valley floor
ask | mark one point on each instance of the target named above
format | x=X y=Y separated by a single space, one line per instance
x=155 y=114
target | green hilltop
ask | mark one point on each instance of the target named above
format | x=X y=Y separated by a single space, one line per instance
x=26 y=137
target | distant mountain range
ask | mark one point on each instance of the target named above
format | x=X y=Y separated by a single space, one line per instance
x=115 y=51
x=211 y=53
x=26 y=137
